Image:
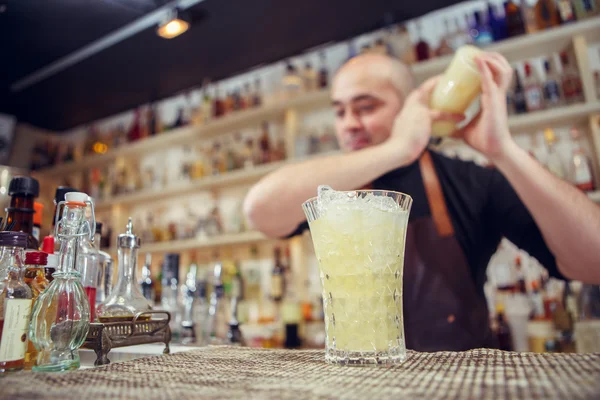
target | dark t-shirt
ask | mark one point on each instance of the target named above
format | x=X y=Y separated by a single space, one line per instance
x=483 y=208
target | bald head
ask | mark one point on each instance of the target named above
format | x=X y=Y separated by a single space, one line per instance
x=367 y=93
x=377 y=67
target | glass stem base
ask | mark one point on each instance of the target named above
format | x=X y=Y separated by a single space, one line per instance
x=56 y=362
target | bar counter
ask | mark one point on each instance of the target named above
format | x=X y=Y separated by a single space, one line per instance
x=223 y=372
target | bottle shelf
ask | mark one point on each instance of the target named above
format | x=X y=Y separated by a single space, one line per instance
x=571 y=114
x=175 y=246
x=232 y=178
x=523 y=47
x=181 y=136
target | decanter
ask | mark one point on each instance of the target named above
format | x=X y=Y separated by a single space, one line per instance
x=126 y=299
x=61 y=314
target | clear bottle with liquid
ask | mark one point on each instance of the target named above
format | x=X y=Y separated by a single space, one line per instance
x=60 y=318
x=126 y=299
x=580 y=170
x=553 y=161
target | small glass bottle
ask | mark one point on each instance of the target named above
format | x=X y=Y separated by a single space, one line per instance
x=553 y=162
x=200 y=316
x=217 y=323
x=61 y=315
x=580 y=169
x=35 y=278
x=170 y=300
x=481 y=31
x=15 y=302
x=126 y=300
x=519 y=103
x=571 y=81
x=105 y=269
x=146 y=282
x=323 y=72
x=292 y=82
x=546 y=15
x=422 y=49
x=87 y=265
x=310 y=77
x=514 y=19
x=552 y=95
x=534 y=95
x=188 y=294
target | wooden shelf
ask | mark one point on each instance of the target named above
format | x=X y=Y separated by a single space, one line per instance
x=523 y=47
x=181 y=136
x=594 y=196
x=175 y=246
x=232 y=178
x=572 y=114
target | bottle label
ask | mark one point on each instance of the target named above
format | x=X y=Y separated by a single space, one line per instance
x=552 y=92
x=13 y=342
x=276 y=286
x=533 y=97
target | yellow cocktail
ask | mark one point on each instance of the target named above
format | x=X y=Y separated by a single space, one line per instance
x=359 y=241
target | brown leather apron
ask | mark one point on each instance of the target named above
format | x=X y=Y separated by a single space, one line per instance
x=442 y=307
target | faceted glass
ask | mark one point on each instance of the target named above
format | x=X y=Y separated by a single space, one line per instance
x=359 y=239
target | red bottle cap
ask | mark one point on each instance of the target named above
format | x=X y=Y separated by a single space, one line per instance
x=48 y=245
x=36 y=258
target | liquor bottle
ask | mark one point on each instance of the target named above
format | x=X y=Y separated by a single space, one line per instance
x=35 y=278
x=217 y=323
x=257 y=97
x=585 y=8
x=37 y=220
x=218 y=104
x=534 y=95
x=514 y=19
x=546 y=15
x=200 y=316
x=238 y=101
x=444 y=47
x=146 y=282
x=323 y=71
x=519 y=103
x=135 y=130
x=552 y=95
x=422 y=50
x=247 y=96
x=497 y=24
x=503 y=330
x=529 y=17
x=480 y=31
x=277 y=277
x=310 y=77
x=188 y=295
x=247 y=154
x=571 y=81
x=228 y=103
x=125 y=300
x=565 y=11
x=181 y=119
x=553 y=161
x=105 y=269
x=60 y=318
x=292 y=82
x=87 y=264
x=207 y=103
x=580 y=171
x=19 y=214
x=265 y=144
x=15 y=302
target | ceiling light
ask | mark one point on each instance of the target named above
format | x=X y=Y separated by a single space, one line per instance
x=173 y=25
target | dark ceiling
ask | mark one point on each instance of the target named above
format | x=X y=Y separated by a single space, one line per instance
x=228 y=37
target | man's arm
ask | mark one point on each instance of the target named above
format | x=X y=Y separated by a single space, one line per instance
x=273 y=205
x=568 y=220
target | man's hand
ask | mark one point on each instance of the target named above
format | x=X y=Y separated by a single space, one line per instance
x=488 y=132
x=412 y=127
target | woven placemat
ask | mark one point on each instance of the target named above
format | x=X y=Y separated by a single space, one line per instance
x=233 y=373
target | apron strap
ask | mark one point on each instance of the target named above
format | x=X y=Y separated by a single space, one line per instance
x=435 y=196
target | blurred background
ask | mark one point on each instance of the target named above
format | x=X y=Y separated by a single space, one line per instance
x=168 y=111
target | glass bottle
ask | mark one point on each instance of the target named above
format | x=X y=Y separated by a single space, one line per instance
x=553 y=162
x=580 y=171
x=15 y=302
x=481 y=31
x=170 y=294
x=497 y=23
x=529 y=17
x=571 y=81
x=444 y=47
x=292 y=82
x=565 y=11
x=35 y=278
x=546 y=15
x=310 y=76
x=200 y=316
x=323 y=72
x=105 y=269
x=217 y=323
x=19 y=218
x=534 y=95
x=61 y=315
x=87 y=265
x=519 y=104
x=257 y=97
x=277 y=277
x=126 y=300
x=514 y=19
x=188 y=294
x=552 y=95
x=422 y=50
x=146 y=282
x=207 y=103
x=265 y=144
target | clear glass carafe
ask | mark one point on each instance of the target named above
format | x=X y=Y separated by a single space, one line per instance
x=126 y=299
x=61 y=314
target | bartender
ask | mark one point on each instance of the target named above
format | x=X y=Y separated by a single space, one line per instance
x=460 y=210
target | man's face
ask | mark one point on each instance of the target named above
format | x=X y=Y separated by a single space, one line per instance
x=365 y=104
